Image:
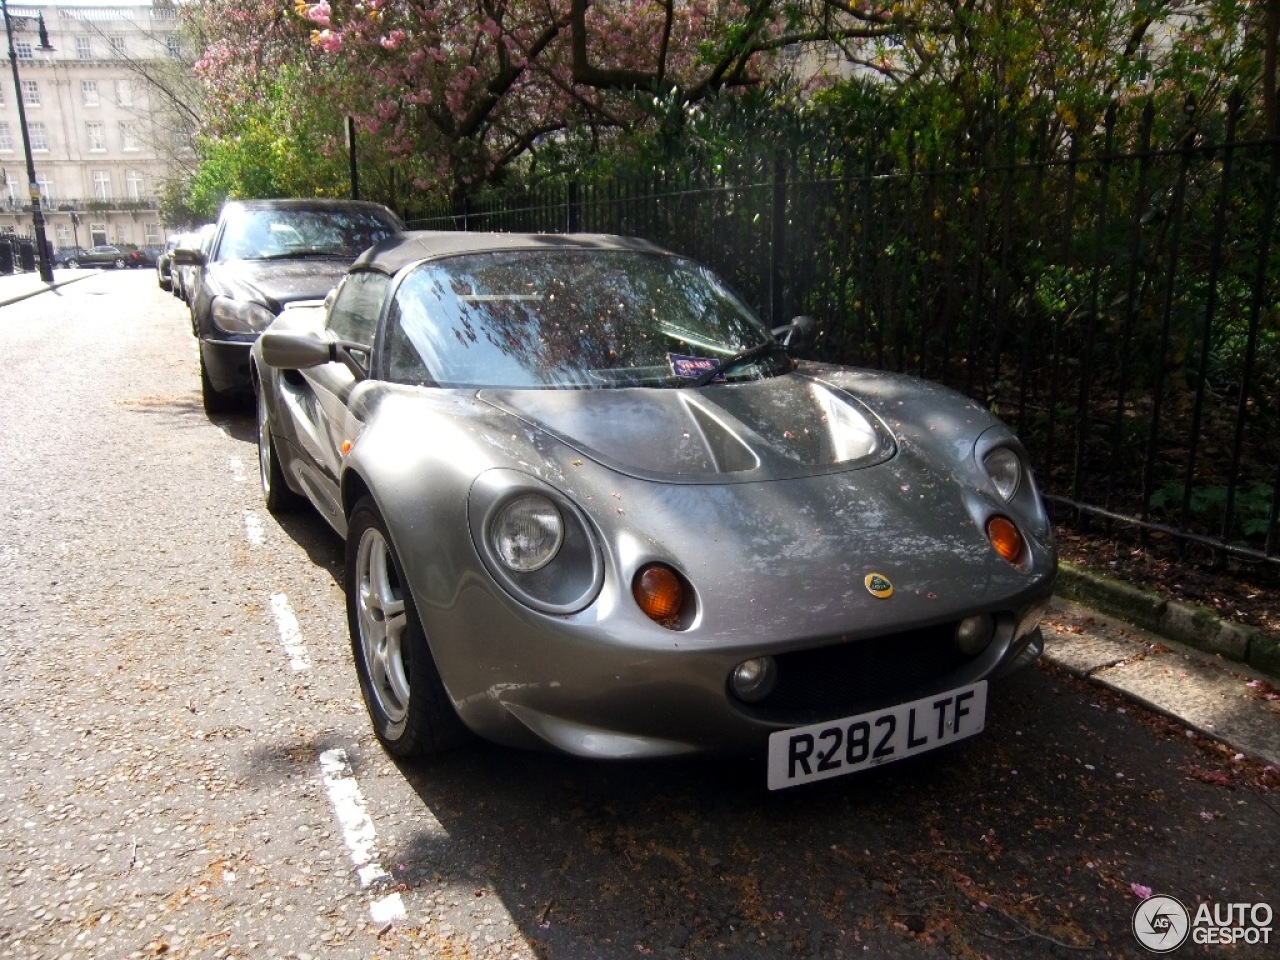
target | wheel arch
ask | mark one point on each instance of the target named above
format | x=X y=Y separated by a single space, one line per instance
x=354 y=489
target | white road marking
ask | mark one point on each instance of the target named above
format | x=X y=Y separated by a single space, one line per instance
x=253 y=528
x=357 y=830
x=290 y=633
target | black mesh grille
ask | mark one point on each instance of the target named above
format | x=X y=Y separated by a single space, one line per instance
x=850 y=678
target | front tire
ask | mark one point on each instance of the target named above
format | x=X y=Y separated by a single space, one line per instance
x=119 y=263
x=411 y=711
x=214 y=402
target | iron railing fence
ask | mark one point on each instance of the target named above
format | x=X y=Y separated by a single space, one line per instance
x=1116 y=300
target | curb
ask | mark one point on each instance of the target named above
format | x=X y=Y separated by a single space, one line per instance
x=1187 y=623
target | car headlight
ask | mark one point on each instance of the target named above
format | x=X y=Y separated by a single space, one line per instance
x=535 y=542
x=527 y=533
x=240 y=316
x=1004 y=467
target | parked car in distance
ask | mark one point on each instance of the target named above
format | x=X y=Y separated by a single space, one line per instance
x=592 y=503
x=164 y=263
x=106 y=256
x=195 y=242
x=265 y=254
x=69 y=256
x=148 y=256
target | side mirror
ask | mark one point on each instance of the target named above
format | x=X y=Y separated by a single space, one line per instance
x=300 y=349
x=188 y=257
x=295 y=350
x=796 y=332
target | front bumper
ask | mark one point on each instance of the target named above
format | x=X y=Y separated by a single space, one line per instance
x=226 y=363
x=617 y=687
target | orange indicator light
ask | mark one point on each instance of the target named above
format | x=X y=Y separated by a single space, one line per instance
x=1004 y=536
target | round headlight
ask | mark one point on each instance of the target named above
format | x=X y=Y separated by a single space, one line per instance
x=527 y=533
x=1005 y=469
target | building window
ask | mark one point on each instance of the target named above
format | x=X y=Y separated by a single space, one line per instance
x=173 y=47
x=117 y=45
x=97 y=136
x=38 y=135
x=133 y=182
x=31 y=93
x=23 y=49
x=97 y=234
x=46 y=187
x=151 y=232
x=102 y=184
x=62 y=233
x=84 y=48
x=89 y=91
x=6 y=136
x=128 y=136
x=124 y=93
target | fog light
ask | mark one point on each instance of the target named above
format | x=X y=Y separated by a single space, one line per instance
x=975 y=633
x=754 y=679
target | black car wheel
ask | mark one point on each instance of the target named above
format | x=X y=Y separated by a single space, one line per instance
x=275 y=490
x=214 y=402
x=410 y=709
x=119 y=263
x=73 y=263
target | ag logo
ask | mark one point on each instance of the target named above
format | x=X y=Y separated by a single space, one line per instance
x=1161 y=924
x=878 y=585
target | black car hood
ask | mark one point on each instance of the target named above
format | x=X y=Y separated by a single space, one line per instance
x=275 y=282
x=778 y=428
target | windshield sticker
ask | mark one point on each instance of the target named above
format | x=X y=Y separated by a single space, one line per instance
x=691 y=368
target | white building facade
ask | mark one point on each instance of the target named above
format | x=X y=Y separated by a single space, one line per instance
x=93 y=136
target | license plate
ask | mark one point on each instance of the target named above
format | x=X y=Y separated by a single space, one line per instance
x=832 y=749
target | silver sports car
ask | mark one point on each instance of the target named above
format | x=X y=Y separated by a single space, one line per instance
x=592 y=503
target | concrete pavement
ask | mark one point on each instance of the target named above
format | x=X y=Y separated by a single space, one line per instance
x=20 y=286
x=1213 y=676
x=1206 y=692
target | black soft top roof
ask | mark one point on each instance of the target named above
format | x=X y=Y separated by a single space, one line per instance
x=401 y=249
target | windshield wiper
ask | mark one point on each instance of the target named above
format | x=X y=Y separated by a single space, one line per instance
x=737 y=360
x=301 y=255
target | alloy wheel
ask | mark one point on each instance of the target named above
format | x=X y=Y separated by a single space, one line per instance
x=382 y=622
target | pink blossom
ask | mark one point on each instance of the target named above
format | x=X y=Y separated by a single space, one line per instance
x=1141 y=892
x=328 y=41
x=393 y=40
x=319 y=13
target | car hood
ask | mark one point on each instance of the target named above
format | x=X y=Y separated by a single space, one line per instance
x=779 y=428
x=724 y=484
x=276 y=282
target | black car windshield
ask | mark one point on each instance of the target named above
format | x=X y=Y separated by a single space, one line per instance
x=280 y=234
x=577 y=319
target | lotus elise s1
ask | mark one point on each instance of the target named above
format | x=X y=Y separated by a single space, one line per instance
x=592 y=503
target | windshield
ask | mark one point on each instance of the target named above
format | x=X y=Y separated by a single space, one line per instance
x=279 y=234
x=577 y=319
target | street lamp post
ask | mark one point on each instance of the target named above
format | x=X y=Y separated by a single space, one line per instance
x=37 y=215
